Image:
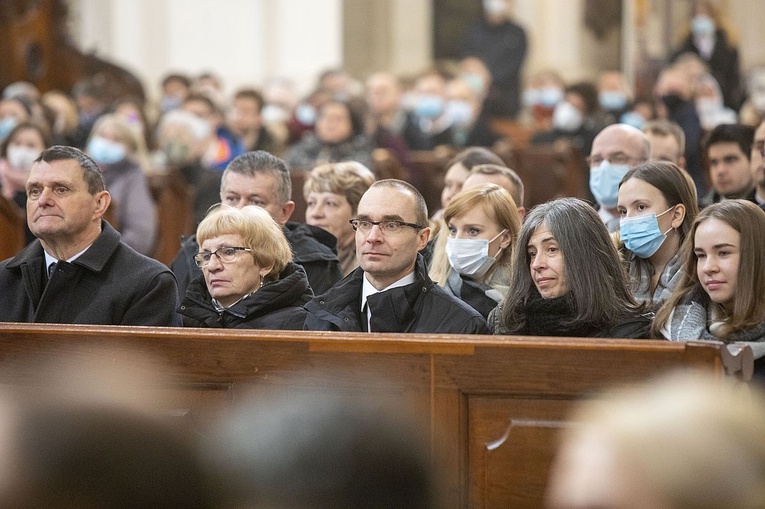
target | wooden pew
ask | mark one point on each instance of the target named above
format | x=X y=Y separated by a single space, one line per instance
x=552 y=171
x=494 y=405
x=519 y=134
x=175 y=217
x=12 y=222
x=298 y=178
x=427 y=169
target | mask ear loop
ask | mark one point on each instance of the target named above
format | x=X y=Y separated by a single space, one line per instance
x=670 y=226
x=499 y=251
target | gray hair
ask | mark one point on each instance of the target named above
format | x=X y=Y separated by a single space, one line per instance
x=260 y=161
x=198 y=128
x=587 y=249
x=91 y=173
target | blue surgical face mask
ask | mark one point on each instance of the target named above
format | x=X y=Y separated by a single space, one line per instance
x=550 y=96
x=306 y=114
x=641 y=234
x=429 y=106
x=105 y=151
x=170 y=103
x=532 y=97
x=702 y=26
x=460 y=113
x=604 y=182
x=634 y=119
x=6 y=126
x=612 y=100
x=475 y=82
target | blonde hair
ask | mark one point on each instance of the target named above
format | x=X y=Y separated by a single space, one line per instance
x=348 y=178
x=696 y=440
x=258 y=230
x=748 y=302
x=498 y=205
x=135 y=143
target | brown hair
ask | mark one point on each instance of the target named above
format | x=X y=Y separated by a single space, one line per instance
x=748 y=302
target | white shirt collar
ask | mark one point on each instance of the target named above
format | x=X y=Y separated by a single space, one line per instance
x=367 y=289
x=50 y=259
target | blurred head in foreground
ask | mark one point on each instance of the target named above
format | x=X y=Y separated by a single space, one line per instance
x=314 y=450
x=95 y=441
x=683 y=441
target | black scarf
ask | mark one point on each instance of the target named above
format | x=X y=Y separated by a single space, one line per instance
x=552 y=317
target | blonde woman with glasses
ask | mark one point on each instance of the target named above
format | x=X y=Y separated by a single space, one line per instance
x=248 y=280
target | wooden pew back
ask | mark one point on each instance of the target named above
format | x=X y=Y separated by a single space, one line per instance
x=175 y=217
x=11 y=228
x=552 y=171
x=494 y=405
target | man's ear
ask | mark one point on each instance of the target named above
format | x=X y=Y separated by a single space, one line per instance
x=287 y=210
x=103 y=199
x=422 y=238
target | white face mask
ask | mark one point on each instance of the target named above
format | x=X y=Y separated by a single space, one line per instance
x=566 y=117
x=470 y=257
x=21 y=157
x=495 y=7
x=758 y=101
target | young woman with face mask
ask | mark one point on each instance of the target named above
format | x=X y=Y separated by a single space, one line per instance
x=657 y=206
x=474 y=264
x=117 y=149
x=17 y=155
x=720 y=294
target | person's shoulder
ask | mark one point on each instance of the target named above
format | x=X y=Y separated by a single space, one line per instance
x=636 y=325
x=306 y=239
x=450 y=306
x=189 y=244
x=131 y=260
x=452 y=315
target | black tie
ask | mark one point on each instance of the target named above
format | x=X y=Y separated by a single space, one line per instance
x=51 y=268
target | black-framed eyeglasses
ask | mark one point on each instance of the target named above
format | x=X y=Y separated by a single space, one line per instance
x=759 y=146
x=365 y=226
x=225 y=254
x=619 y=158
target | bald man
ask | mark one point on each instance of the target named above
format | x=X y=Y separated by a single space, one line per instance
x=615 y=150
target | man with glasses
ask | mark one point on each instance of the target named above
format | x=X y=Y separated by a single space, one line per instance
x=390 y=291
x=758 y=165
x=729 y=156
x=615 y=150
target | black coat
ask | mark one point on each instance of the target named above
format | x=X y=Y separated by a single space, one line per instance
x=275 y=306
x=421 y=306
x=109 y=284
x=723 y=65
x=312 y=248
x=503 y=49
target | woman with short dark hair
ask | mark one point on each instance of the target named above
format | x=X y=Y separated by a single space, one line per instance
x=339 y=136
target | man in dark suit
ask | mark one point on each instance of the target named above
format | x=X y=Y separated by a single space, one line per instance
x=78 y=270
